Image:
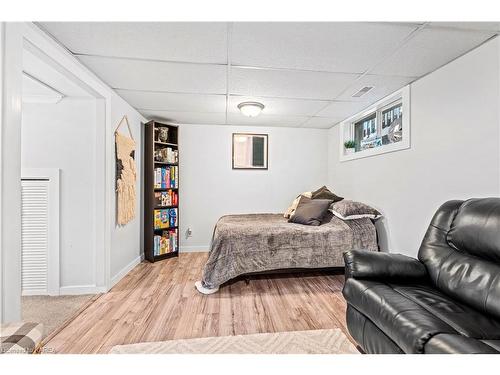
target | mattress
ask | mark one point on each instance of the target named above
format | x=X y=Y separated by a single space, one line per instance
x=249 y=243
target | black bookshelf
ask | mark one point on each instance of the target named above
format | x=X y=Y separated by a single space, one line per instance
x=158 y=242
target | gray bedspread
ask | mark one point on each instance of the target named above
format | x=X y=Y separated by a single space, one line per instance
x=244 y=244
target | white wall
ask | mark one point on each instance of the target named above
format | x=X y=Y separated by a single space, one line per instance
x=126 y=241
x=210 y=188
x=10 y=171
x=454 y=151
x=63 y=136
x=110 y=108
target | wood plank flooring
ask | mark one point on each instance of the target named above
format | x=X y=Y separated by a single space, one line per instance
x=158 y=302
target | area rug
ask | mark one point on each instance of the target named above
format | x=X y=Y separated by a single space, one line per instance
x=324 y=341
x=52 y=312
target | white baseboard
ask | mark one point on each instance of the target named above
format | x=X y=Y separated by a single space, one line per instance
x=81 y=289
x=34 y=293
x=194 y=249
x=120 y=275
x=93 y=289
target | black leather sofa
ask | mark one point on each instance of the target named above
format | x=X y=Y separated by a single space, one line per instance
x=447 y=301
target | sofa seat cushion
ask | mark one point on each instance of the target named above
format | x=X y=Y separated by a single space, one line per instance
x=404 y=321
x=462 y=318
x=371 y=339
x=458 y=344
x=495 y=344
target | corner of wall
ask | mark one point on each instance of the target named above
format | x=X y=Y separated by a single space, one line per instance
x=121 y=274
x=332 y=153
x=498 y=106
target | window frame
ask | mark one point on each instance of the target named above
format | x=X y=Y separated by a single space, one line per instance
x=346 y=127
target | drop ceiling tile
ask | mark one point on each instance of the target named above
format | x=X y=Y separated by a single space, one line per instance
x=488 y=26
x=278 y=106
x=382 y=86
x=430 y=49
x=204 y=42
x=326 y=46
x=150 y=100
x=158 y=76
x=197 y=118
x=342 y=109
x=265 y=120
x=288 y=84
x=321 y=122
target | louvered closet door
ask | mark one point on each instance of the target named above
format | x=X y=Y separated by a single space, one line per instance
x=35 y=236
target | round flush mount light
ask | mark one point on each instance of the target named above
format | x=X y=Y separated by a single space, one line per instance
x=251 y=109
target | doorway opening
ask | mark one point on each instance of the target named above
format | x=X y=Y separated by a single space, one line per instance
x=59 y=141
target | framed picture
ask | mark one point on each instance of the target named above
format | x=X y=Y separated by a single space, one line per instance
x=250 y=151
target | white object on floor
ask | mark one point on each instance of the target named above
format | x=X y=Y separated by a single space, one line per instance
x=200 y=288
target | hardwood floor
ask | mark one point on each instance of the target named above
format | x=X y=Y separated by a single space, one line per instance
x=157 y=302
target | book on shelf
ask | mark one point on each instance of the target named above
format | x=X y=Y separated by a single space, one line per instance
x=166 y=177
x=166 y=198
x=166 y=242
x=165 y=218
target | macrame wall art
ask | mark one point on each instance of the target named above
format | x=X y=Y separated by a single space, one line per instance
x=126 y=175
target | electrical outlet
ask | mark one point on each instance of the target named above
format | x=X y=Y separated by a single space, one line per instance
x=189 y=233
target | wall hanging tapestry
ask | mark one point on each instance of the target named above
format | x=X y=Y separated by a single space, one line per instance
x=126 y=175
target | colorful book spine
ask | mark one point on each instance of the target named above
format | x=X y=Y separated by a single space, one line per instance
x=166 y=178
x=173 y=240
x=166 y=243
x=172 y=217
x=165 y=218
x=166 y=198
x=156 y=245
x=157 y=178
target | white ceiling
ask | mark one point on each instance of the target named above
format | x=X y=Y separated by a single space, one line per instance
x=304 y=73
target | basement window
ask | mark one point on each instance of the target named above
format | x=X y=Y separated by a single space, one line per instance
x=383 y=127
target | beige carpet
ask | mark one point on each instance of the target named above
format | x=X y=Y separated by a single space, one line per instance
x=324 y=341
x=51 y=311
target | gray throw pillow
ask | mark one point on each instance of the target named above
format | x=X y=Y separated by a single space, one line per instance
x=310 y=211
x=324 y=193
x=350 y=210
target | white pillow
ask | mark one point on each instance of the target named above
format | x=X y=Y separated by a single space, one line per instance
x=290 y=210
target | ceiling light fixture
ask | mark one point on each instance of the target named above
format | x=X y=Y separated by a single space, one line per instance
x=251 y=109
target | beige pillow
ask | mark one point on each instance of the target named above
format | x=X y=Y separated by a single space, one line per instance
x=290 y=210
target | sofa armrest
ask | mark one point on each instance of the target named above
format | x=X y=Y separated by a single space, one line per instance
x=362 y=264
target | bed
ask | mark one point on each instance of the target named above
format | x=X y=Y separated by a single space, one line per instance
x=255 y=243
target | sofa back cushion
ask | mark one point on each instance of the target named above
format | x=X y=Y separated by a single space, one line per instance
x=461 y=251
x=476 y=229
